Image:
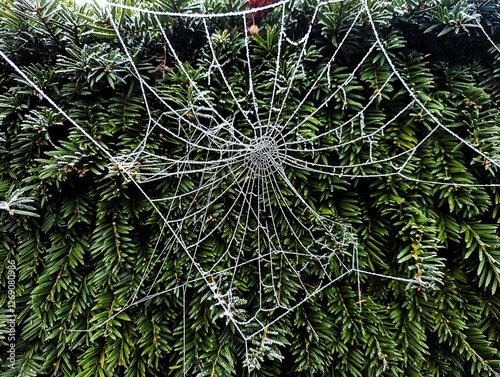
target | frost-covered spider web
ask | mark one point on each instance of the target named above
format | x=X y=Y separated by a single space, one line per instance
x=234 y=162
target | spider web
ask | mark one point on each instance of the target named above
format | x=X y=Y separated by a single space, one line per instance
x=228 y=175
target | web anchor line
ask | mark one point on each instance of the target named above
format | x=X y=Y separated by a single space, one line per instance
x=238 y=181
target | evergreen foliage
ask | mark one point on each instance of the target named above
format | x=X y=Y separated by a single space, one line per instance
x=82 y=235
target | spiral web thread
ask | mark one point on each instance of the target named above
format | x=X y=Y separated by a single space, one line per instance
x=253 y=165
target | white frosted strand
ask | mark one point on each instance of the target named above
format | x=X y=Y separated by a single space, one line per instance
x=370 y=146
x=247 y=221
x=248 y=201
x=205 y=209
x=333 y=170
x=299 y=62
x=259 y=248
x=295 y=43
x=462 y=140
x=326 y=70
x=414 y=149
x=142 y=144
x=338 y=132
x=307 y=297
x=317 y=257
x=165 y=248
x=172 y=207
x=362 y=124
x=241 y=194
x=205 y=132
x=184 y=311
x=307 y=208
x=192 y=82
x=273 y=231
x=149 y=267
x=222 y=219
x=231 y=155
x=157 y=294
x=278 y=66
x=290 y=214
x=345 y=83
x=215 y=181
x=315 y=167
x=273 y=186
x=205 y=167
x=189 y=281
x=55 y=106
x=358 y=278
x=177 y=239
x=404 y=280
x=218 y=66
x=212 y=182
x=282 y=250
x=250 y=77
x=162 y=262
x=488 y=36
x=454 y=184
x=413 y=95
x=214 y=130
x=344 y=97
x=204 y=15
x=209 y=73
x=200 y=166
x=144 y=84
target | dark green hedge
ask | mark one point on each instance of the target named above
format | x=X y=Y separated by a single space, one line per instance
x=81 y=234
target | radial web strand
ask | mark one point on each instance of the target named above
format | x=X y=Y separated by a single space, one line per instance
x=233 y=162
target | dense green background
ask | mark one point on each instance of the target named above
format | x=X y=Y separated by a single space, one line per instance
x=81 y=243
